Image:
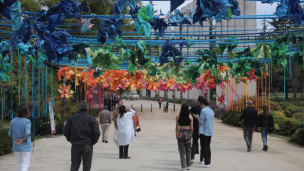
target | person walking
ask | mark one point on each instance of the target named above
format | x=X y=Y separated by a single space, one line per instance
x=195 y=110
x=105 y=122
x=266 y=123
x=183 y=131
x=114 y=119
x=160 y=102
x=20 y=131
x=166 y=106
x=206 y=126
x=82 y=131
x=136 y=123
x=250 y=116
x=114 y=101
x=125 y=131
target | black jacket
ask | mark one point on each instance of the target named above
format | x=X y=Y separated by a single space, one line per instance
x=195 y=110
x=82 y=129
x=265 y=121
x=250 y=116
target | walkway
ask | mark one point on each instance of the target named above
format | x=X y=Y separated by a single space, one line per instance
x=155 y=149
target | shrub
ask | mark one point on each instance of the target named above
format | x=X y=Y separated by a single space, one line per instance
x=291 y=109
x=298 y=137
x=231 y=118
x=288 y=127
x=182 y=100
x=275 y=106
x=93 y=112
x=219 y=111
x=298 y=116
x=5 y=141
x=213 y=106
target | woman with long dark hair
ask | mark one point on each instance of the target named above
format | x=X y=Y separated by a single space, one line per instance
x=125 y=131
x=20 y=131
x=183 y=132
x=265 y=122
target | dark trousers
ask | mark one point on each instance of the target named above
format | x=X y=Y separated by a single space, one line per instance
x=166 y=109
x=205 y=148
x=248 y=132
x=123 y=151
x=86 y=153
x=194 y=147
x=159 y=105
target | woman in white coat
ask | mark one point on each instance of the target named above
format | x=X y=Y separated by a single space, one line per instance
x=125 y=131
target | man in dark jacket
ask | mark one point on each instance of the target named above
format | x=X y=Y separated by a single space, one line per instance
x=250 y=116
x=195 y=110
x=82 y=131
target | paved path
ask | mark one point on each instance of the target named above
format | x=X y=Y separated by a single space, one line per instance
x=155 y=148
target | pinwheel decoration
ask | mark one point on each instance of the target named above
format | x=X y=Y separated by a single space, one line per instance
x=65 y=91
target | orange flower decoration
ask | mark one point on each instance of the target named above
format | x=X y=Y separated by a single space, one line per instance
x=67 y=72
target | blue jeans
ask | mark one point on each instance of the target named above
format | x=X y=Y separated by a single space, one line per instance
x=264 y=132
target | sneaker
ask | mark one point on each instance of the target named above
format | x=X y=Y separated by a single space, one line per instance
x=105 y=141
x=263 y=148
x=266 y=148
x=249 y=149
x=183 y=169
x=127 y=157
x=192 y=160
x=188 y=168
x=201 y=162
x=204 y=166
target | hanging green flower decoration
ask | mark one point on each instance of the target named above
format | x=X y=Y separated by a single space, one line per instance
x=103 y=58
x=4 y=68
x=262 y=51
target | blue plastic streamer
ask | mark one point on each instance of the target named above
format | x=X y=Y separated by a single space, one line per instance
x=46 y=76
x=19 y=74
x=290 y=60
x=303 y=87
x=64 y=88
x=42 y=93
x=38 y=92
x=52 y=85
x=11 y=88
x=33 y=103
x=26 y=81
x=3 y=99
x=33 y=90
x=284 y=72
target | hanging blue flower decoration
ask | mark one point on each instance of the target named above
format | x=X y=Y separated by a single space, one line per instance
x=109 y=28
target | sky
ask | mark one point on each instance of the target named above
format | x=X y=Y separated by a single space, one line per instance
x=261 y=8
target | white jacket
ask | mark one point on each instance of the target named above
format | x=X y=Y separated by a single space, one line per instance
x=125 y=128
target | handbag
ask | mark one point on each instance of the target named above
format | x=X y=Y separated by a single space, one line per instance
x=138 y=129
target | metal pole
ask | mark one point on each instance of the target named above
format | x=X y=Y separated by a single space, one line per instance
x=141 y=107
x=174 y=107
x=151 y=107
